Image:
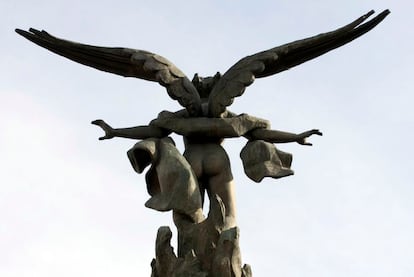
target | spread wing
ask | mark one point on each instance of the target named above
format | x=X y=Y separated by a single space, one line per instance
x=233 y=83
x=125 y=62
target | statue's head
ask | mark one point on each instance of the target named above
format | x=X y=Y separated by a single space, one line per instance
x=204 y=85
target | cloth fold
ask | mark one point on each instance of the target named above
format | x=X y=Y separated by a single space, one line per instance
x=262 y=159
x=170 y=180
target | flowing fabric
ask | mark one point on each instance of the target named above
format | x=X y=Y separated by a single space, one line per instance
x=262 y=159
x=170 y=179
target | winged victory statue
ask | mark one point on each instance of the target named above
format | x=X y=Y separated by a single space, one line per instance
x=176 y=181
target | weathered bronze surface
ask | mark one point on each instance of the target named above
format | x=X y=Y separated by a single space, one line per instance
x=207 y=246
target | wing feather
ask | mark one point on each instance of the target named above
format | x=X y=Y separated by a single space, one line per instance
x=126 y=62
x=233 y=83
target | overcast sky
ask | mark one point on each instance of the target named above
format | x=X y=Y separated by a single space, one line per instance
x=71 y=205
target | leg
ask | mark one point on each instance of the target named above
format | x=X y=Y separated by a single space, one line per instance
x=224 y=188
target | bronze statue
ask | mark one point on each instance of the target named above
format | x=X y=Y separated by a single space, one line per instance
x=178 y=182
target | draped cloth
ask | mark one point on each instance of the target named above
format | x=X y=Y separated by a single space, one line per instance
x=262 y=159
x=170 y=180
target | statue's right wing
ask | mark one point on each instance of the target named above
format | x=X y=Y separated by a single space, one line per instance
x=234 y=82
x=125 y=62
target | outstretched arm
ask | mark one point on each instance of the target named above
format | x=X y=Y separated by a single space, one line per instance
x=139 y=132
x=275 y=136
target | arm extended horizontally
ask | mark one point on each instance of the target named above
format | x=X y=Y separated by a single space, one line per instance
x=275 y=136
x=138 y=132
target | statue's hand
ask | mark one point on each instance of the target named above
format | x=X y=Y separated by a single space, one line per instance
x=109 y=131
x=302 y=136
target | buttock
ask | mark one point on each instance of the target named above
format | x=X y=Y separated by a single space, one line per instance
x=207 y=160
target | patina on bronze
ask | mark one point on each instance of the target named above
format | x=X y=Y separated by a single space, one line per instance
x=207 y=246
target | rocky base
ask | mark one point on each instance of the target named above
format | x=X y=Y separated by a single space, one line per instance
x=225 y=258
x=205 y=249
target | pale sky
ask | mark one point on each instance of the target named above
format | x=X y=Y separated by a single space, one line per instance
x=71 y=205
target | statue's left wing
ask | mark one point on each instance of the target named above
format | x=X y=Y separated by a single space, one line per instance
x=125 y=62
x=233 y=83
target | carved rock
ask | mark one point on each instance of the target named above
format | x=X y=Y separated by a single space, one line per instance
x=166 y=260
x=204 y=249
